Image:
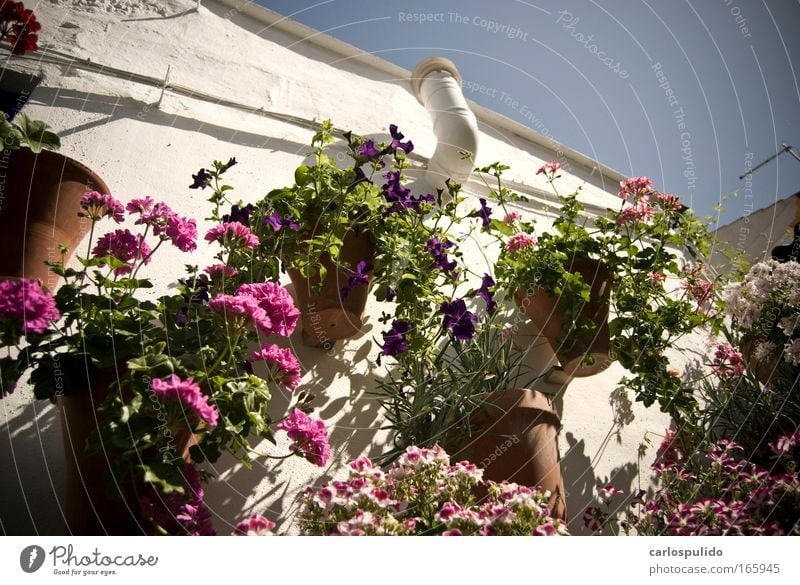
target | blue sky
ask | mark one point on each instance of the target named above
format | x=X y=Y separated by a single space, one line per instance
x=688 y=93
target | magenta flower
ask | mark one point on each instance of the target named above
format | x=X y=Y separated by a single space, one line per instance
x=23 y=301
x=549 y=170
x=520 y=241
x=309 y=436
x=234 y=308
x=176 y=513
x=182 y=232
x=283 y=365
x=277 y=304
x=96 y=206
x=232 y=234
x=221 y=271
x=141 y=206
x=124 y=246
x=256 y=525
x=188 y=393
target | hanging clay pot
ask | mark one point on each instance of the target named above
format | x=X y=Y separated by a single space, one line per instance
x=95 y=501
x=39 y=210
x=327 y=317
x=547 y=314
x=515 y=439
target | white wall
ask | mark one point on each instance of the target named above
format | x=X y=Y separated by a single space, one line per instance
x=111 y=125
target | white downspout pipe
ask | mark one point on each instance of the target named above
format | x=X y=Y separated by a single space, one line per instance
x=436 y=83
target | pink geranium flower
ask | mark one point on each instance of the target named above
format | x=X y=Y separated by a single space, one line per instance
x=283 y=365
x=520 y=241
x=232 y=234
x=549 y=170
x=277 y=304
x=256 y=525
x=23 y=301
x=96 y=206
x=124 y=246
x=309 y=436
x=188 y=393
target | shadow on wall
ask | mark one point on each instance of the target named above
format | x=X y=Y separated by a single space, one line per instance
x=269 y=487
x=122 y=108
x=31 y=457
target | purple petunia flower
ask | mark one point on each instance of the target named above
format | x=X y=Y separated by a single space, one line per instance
x=201 y=180
x=240 y=214
x=438 y=250
x=486 y=294
x=277 y=223
x=397 y=136
x=458 y=319
x=368 y=150
x=485 y=213
x=394 y=340
x=359 y=276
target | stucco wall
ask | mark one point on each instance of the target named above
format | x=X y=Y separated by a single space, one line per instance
x=112 y=125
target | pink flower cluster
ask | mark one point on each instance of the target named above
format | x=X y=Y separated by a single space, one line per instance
x=167 y=224
x=309 y=436
x=221 y=271
x=189 y=394
x=24 y=303
x=637 y=188
x=728 y=361
x=266 y=306
x=96 y=206
x=639 y=212
x=512 y=218
x=233 y=235
x=125 y=247
x=179 y=514
x=721 y=493
x=423 y=493
x=283 y=366
x=549 y=170
x=256 y=525
x=520 y=241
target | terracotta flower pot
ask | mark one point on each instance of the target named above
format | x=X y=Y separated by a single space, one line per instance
x=327 y=317
x=547 y=314
x=39 y=205
x=765 y=368
x=516 y=440
x=90 y=505
x=95 y=501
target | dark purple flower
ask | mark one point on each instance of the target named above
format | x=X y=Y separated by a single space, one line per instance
x=391 y=294
x=359 y=276
x=394 y=340
x=368 y=150
x=485 y=213
x=438 y=250
x=458 y=320
x=486 y=294
x=397 y=136
x=240 y=214
x=231 y=161
x=201 y=180
x=279 y=223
